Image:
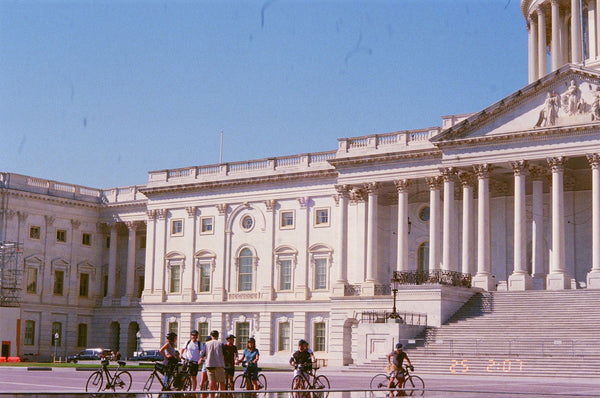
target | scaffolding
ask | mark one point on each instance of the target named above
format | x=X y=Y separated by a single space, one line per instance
x=10 y=274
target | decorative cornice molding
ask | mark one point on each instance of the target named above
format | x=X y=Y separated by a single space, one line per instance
x=433 y=153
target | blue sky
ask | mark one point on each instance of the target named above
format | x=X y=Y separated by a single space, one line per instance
x=98 y=93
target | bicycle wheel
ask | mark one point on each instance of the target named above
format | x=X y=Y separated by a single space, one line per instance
x=262 y=382
x=380 y=380
x=415 y=386
x=239 y=383
x=321 y=383
x=94 y=382
x=122 y=381
x=298 y=383
x=149 y=382
x=187 y=384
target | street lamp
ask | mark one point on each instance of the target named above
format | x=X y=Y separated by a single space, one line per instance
x=138 y=336
x=395 y=285
x=56 y=337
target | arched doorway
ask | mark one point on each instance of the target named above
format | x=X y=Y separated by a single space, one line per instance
x=132 y=339
x=113 y=336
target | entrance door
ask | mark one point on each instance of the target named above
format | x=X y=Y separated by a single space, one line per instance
x=6 y=349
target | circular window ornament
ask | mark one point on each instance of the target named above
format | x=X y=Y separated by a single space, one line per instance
x=424 y=214
x=247 y=223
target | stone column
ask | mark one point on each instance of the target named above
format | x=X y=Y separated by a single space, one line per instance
x=532 y=36
x=537 y=229
x=434 y=220
x=542 y=60
x=341 y=258
x=448 y=221
x=265 y=282
x=112 y=266
x=222 y=271
x=576 y=41
x=555 y=51
x=466 y=180
x=149 y=266
x=593 y=277
x=597 y=26
x=160 y=246
x=130 y=278
x=520 y=278
x=558 y=278
x=592 y=38
x=402 y=253
x=371 y=272
x=484 y=278
x=189 y=277
x=301 y=288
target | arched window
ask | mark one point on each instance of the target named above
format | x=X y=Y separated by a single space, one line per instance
x=423 y=257
x=245 y=271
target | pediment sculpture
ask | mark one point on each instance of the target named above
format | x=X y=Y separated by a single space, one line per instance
x=570 y=104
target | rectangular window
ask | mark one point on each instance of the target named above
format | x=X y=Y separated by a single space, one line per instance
x=176 y=227
x=34 y=232
x=206 y=225
x=32 y=280
x=320 y=273
x=175 y=278
x=56 y=334
x=205 y=277
x=86 y=239
x=82 y=335
x=242 y=334
x=284 y=336
x=173 y=327
x=287 y=219
x=285 y=275
x=29 y=333
x=319 y=337
x=61 y=235
x=84 y=283
x=202 y=330
x=322 y=217
x=59 y=279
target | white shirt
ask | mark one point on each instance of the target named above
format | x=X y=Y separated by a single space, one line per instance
x=193 y=350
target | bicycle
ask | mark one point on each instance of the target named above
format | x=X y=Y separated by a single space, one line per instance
x=119 y=381
x=180 y=380
x=413 y=385
x=244 y=381
x=308 y=380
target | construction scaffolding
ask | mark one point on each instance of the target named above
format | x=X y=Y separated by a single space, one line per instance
x=10 y=274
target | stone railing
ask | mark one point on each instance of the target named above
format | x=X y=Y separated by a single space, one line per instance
x=259 y=167
x=401 y=139
x=408 y=318
x=243 y=296
x=49 y=187
x=352 y=290
x=442 y=277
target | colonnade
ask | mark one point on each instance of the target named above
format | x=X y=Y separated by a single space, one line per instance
x=443 y=226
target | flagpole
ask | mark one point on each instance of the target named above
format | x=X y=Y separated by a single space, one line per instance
x=221 y=149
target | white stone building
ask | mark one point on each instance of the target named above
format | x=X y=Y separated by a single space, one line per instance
x=298 y=246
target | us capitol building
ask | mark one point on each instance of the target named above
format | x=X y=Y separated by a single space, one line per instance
x=305 y=246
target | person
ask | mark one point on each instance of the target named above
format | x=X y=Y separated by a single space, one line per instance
x=230 y=355
x=215 y=362
x=396 y=358
x=193 y=352
x=204 y=377
x=118 y=356
x=251 y=356
x=301 y=360
x=170 y=355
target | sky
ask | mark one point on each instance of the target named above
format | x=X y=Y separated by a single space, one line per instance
x=97 y=93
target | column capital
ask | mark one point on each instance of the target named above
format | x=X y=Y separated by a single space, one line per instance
x=22 y=216
x=342 y=190
x=466 y=179
x=557 y=163
x=447 y=173
x=222 y=208
x=593 y=160
x=433 y=182
x=303 y=201
x=356 y=194
x=270 y=205
x=75 y=224
x=151 y=214
x=402 y=185
x=131 y=225
x=371 y=187
x=191 y=211
x=519 y=167
x=49 y=220
x=161 y=214
x=483 y=170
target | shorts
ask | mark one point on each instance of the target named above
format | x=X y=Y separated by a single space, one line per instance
x=252 y=371
x=216 y=374
x=229 y=371
x=193 y=368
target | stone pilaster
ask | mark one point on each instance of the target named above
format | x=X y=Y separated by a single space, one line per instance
x=519 y=279
x=558 y=278
x=593 y=277
x=484 y=278
x=402 y=249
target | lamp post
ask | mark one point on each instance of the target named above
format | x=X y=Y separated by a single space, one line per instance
x=394 y=314
x=138 y=336
x=56 y=337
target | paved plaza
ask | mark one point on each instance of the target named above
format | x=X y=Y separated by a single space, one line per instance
x=19 y=382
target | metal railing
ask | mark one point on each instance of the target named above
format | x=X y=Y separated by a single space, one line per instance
x=408 y=318
x=442 y=277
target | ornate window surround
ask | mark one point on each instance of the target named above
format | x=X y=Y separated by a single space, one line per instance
x=172 y=259
x=283 y=253
x=35 y=262
x=237 y=268
x=203 y=257
x=313 y=321
x=278 y=321
x=320 y=251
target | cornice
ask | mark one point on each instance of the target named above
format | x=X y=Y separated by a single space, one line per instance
x=384 y=157
x=121 y=205
x=320 y=174
x=49 y=198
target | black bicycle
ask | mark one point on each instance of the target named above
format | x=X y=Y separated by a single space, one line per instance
x=119 y=381
x=413 y=385
x=308 y=380
x=244 y=381
x=179 y=378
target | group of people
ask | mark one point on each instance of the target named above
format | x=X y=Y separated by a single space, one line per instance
x=214 y=359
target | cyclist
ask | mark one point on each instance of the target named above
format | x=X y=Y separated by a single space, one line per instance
x=396 y=358
x=230 y=353
x=251 y=356
x=171 y=355
x=302 y=360
x=193 y=352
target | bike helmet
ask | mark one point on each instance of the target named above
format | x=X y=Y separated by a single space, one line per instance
x=399 y=346
x=171 y=335
x=194 y=332
x=302 y=342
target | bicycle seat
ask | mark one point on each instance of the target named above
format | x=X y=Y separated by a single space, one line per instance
x=122 y=363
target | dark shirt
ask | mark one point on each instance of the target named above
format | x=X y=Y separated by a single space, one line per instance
x=398 y=358
x=230 y=353
x=302 y=357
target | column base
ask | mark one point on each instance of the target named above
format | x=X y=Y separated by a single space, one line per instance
x=339 y=289
x=538 y=282
x=558 y=281
x=367 y=288
x=593 y=279
x=485 y=282
x=519 y=282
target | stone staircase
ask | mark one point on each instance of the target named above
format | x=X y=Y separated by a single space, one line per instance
x=531 y=333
